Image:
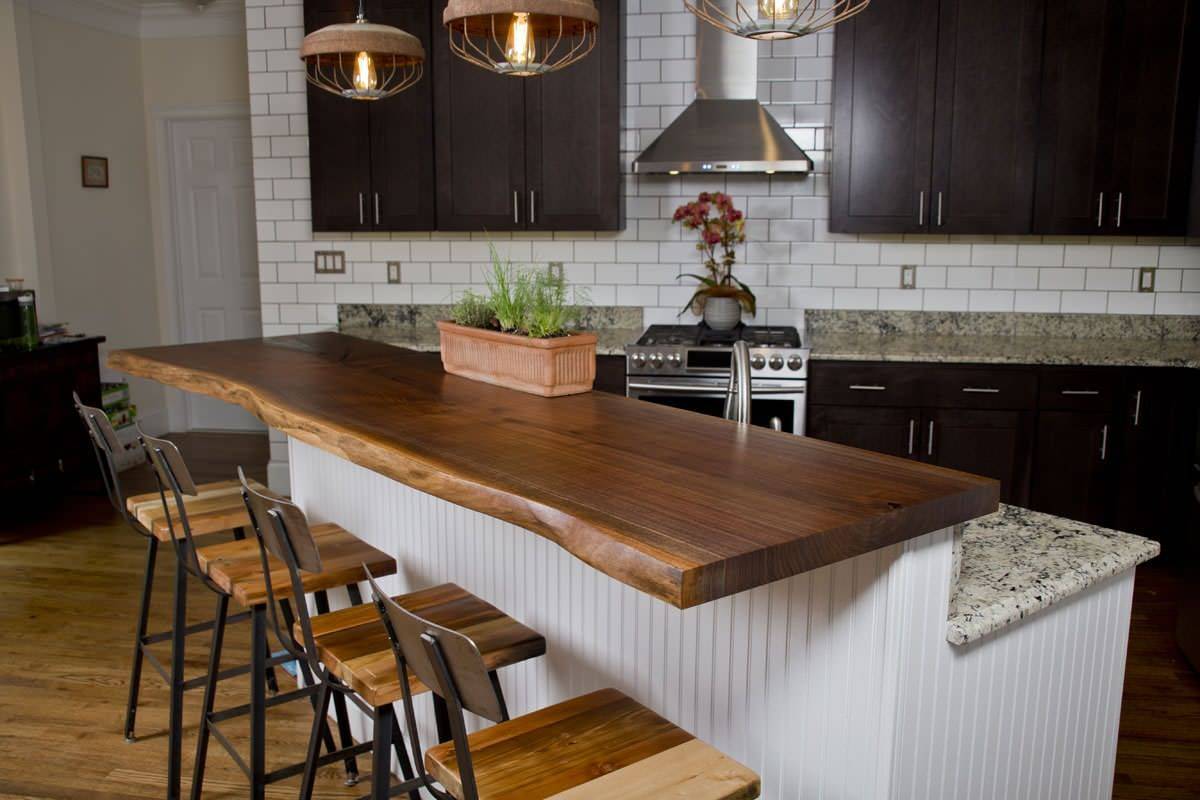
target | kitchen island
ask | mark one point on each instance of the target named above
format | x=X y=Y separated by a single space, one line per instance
x=783 y=598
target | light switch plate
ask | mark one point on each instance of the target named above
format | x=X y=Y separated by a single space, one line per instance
x=329 y=262
x=1146 y=279
x=393 y=271
x=555 y=268
x=908 y=276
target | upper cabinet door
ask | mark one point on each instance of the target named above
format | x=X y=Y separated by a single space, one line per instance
x=401 y=135
x=1155 y=117
x=883 y=103
x=985 y=120
x=573 y=121
x=480 y=122
x=339 y=143
x=1076 y=125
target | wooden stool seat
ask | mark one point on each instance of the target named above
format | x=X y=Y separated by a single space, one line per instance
x=600 y=745
x=218 y=507
x=236 y=567
x=353 y=643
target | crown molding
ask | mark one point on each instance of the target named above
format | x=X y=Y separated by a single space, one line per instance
x=149 y=19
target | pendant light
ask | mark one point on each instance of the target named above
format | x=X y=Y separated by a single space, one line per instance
x=775 y=19
x=361 y=60
x=521 y=37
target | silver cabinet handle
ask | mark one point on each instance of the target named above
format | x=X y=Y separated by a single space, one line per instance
x=921 y=207
x=1120 y=205
x=516 y=220
x=912 y=435
x=377 y=208
x=1137 y=407
x=1080 y=392
x=867 y=387
x=532 y=208
x=939 y=212
x=362 y=219
x=929 y=449
x=1104 y=443
x=1100 y=212
x=980 y=390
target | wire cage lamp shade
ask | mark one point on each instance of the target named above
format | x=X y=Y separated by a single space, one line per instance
x=775 y=19
x=521 y=37
x=361 y=60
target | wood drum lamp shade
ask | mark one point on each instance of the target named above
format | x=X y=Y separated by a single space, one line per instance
x=775 y=19
x=521 y=37
x=361 y=60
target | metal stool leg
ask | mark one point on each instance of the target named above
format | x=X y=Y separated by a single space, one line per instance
x=347 y=739
x=258 y=702
x=314 y=742
x=178 y=641
x=210 y=692
x=135 y=672
x=381 y=756
x=402 y=753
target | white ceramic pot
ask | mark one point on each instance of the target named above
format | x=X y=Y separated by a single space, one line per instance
x=722 y=313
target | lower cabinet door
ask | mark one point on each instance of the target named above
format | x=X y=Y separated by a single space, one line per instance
x=883 y=430
x=991 y=443
x=1073 y=460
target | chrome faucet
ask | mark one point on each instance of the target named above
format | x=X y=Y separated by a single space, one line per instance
x=737 y=396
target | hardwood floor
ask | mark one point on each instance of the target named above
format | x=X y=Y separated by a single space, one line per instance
x=68 y=595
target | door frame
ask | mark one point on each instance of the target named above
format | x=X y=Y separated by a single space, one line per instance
x=170 y=301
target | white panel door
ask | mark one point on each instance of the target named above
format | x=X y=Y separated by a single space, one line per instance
x=213 y=195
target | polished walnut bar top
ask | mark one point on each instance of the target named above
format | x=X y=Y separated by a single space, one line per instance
x=685 y=507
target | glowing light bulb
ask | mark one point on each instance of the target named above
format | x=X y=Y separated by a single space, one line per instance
x=365 y=79
x=777 y=9
x=518 y=50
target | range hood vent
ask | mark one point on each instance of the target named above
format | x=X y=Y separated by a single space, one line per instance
x=725 y=129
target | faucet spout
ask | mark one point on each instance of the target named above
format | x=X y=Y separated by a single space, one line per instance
x=737 y=396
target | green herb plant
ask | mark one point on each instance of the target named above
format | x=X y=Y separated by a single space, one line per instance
x=474 y=311
x=529 y=302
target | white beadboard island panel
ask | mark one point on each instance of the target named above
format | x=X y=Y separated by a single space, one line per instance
x=838 y=683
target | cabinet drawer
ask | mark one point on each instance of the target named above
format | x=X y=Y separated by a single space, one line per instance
x=984 y=388
x=862 y=384
x=1082 y=389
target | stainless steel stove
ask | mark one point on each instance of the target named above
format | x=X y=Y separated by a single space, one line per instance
x=687 y=366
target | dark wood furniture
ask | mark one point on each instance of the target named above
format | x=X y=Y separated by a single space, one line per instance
x=627 y=487
x=42 y=442
x=510 y=153
x=945 y=110
x=1106 y=445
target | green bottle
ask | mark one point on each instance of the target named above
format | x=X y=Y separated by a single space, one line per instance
x=29 y=323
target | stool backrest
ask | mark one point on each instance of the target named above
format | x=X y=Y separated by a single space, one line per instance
x=282 y=531
x=106 y=445
x=173 y=476
x=451 y=665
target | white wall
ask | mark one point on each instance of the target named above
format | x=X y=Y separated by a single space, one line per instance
x=792 y=261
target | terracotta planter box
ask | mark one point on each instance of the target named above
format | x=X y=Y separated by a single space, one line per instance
x=546 y=367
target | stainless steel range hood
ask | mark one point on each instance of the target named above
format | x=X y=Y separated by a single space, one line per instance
x=726 y=129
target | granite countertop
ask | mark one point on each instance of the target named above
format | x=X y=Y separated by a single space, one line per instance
x=1016 y=562
x=610 y=341
x=976 y=349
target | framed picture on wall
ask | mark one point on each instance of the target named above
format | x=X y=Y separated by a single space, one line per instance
x=95 y=172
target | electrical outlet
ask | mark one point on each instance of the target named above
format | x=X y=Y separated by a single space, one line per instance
x=555 y=268
x=908 y=276
x=393 y=271
x=329 y=262
x=1146 y=279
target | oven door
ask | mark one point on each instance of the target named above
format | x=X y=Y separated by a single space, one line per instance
x=772 y=402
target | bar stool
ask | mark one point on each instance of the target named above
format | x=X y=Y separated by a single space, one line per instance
x=599 y=745
x=350 y=653
x=234 y=570
x=214 y=509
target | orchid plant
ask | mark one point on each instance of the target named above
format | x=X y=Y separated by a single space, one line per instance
x=719 y=225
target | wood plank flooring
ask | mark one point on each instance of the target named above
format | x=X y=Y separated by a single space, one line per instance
x=68 y=595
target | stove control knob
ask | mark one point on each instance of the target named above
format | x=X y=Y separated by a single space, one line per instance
x=757 y=361
x=674 y=360
x=656 y=360
x=776 y=362
x=638 y=359
x=795 y=362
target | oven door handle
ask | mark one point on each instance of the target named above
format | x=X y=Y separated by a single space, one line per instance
x=693 y=389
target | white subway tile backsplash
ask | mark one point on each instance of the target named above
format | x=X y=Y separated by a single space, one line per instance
x=1040 y=255
x=1084 y=302
x=1135 y=256
x=968 y=277
x=1057 y=279
x=994 y=255
x=1120 y=280
x=1037 y=302
x=1177 y=303
x=856 y=253
x=1130 y=303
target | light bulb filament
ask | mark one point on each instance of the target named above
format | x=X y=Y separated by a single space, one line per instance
x=777 y=9
x=519 y=48
x=365 y=79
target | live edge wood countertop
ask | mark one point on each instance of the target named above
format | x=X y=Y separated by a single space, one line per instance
x=684 y=507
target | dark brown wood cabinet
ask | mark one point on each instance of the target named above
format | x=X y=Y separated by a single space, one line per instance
x=1117 y=128
x=882 y=430
x=371 y=164
x=935 y=112
x=1073 y=464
